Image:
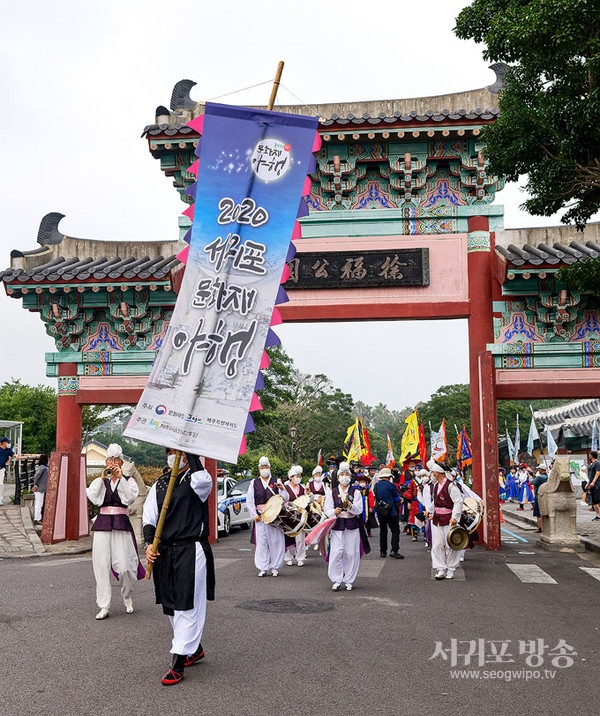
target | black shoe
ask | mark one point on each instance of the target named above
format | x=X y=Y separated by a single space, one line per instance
x=383 y=554
x=396 y=555
x=175 y=674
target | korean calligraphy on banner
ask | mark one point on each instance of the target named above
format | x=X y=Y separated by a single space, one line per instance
x=253 y=165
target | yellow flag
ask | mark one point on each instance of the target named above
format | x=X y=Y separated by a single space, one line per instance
x=352 y=443
x=410 y=439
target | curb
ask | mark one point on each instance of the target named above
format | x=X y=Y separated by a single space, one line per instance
x=591 y=545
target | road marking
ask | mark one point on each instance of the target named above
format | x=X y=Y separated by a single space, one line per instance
x=592 y=571
x=372 y=569
x=512 y=534
x=531 y=574
x=54 y=562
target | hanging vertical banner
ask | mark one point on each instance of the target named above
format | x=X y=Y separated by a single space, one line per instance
x=253 y=166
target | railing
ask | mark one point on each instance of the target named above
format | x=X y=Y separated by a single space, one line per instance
x=24 y=468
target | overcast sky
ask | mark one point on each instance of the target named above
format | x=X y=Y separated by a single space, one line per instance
x=80 y=80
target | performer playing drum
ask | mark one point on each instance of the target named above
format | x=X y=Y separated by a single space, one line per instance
x=269 y=542
x=446 y=510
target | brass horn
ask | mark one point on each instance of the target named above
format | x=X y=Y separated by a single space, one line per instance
x=108 y=472
x=457 y=538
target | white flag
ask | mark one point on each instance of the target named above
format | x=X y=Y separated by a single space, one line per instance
x=510 y=446
x=595 y=436
x=551 y=443
x=517 y=447
x=533 y=435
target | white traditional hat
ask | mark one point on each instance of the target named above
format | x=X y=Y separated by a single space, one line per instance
x=295 y=470
x=344 y=467
x=318 y=470
x=114 y=450
x=432 y=466
x=385 y=472
x=264 y=462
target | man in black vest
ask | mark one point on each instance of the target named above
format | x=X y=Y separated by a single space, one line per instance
x=183 y=571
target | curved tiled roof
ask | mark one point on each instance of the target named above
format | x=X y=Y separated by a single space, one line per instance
x=558 y=253
x=578 y=409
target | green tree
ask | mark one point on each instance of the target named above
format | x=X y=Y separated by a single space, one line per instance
x=35 y=407
x=549 y=125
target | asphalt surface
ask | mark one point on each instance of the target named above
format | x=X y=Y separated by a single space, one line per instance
x=291 y=646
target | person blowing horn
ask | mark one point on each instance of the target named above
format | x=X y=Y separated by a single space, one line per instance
x=183 y=565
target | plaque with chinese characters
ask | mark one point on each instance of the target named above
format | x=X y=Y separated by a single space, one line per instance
x=354 y=269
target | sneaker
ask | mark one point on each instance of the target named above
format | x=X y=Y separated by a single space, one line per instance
x=102 y=614
x=449 y=575
x=414 y=539
x=383 y=554
x=348 y=587
x=290 y=562
x=262 y=574
x=129 y=608
x=193 y=658
x=275 y=573
x=301 y=563
x=440 y=574
x=596 y=518
x=316 y=547
x=336 y=586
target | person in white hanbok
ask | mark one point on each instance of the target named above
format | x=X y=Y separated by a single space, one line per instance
x=269 y=541
x=295 y=489
x=445 y=510
x=345 y=503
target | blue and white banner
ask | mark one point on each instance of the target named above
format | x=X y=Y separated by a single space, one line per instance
x=253 y=165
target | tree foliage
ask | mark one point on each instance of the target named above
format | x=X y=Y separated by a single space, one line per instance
x=582 y=275
x=35 y=407
x=549 y=126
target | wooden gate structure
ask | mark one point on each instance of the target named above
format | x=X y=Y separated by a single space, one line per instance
x=401 y=225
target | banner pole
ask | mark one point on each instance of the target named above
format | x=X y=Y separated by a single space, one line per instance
x=275 y=85
x=164 y=508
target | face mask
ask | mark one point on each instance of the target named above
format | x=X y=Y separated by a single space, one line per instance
x=171 y=461
x=317 y=478
x=265 y=472
x=344 y=480
x=363 y=484
x=296 y=480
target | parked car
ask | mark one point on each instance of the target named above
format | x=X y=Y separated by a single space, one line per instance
x=231 y=504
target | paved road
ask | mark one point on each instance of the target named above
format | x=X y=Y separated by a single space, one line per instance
x=291 y=646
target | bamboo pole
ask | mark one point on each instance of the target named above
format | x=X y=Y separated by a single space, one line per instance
x=275 y=85
x=163 y=512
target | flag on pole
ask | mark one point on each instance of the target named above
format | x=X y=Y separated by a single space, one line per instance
x=251 y=178
x=366 y=456
x=464 y=455
x=389 y=458
x=320 y=458
x=422 y=443
x=510 y=446
x=439 y=448
x=595 y=435
x=410 y=439
x=533 y=436
x=351 y=449
x=517 y=445
x=551 y=443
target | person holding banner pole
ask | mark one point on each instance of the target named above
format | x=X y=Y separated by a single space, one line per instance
x=183 y=564
x=269 y=542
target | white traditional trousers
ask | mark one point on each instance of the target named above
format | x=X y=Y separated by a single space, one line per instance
x=269 y=548
x=188 y=625
x=344 y=556
x=114 y=549
x=298 y=550
x=442 y=557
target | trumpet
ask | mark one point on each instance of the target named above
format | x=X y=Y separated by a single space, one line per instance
x=108 y=472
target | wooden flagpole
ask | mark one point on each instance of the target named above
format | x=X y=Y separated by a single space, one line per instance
x=275 y=85
x=163 y=512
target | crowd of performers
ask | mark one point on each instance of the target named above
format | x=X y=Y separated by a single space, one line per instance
x=346 y=503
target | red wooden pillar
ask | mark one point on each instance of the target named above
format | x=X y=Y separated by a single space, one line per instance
x=484 y=430
x=68 y=440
